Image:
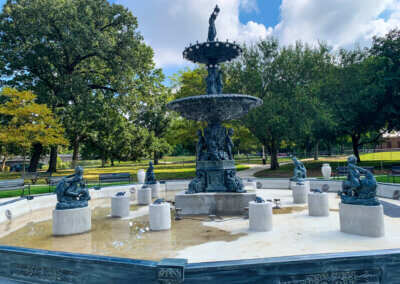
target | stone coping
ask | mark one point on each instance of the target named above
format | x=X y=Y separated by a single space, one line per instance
x=20 y=206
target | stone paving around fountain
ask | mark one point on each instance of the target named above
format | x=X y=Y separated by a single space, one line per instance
x=197 y=238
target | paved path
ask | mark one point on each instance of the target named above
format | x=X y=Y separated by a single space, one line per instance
x=249 y=173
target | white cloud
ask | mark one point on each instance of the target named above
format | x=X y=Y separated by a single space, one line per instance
x=339 y=22
x=169 y=26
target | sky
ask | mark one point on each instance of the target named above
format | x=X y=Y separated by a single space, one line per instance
x=168 y=26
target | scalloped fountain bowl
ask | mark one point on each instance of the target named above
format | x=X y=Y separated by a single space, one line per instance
x=214 y=108
x=212 y=52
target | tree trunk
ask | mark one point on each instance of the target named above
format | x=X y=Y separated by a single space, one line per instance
x=274 y=158
x=354 y=141
x=3 y=165
x=329 y=149
x=112 y=162
x=23 y=162
x=103 y=162
x=37 y=152
x=156 y=156
x=316 y=151
x=53 y=159
x=75 y=154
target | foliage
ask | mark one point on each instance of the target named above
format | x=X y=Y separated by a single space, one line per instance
x=26 y=122
x=288 y=80
x=153 y=114
x=359 y=98
x=387 y=52
x=182 y=132
x=66 y=50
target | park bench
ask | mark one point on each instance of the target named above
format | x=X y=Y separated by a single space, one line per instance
x=34 y=176
x=393 y=172
x=53 y=181
x=340 y=171
x=343 y=171
x=115 y=177
x=15 y=184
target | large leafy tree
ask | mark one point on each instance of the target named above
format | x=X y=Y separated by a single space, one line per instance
x=66 y=49
x=387 y=52
x=287 y=80
x=359 y=100
x=182 y=132
x=153 y=113
x=25 y=122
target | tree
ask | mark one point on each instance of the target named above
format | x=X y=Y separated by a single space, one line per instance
x=26 y=122
x=182 y=132
x=359 y=100
x=153 y=113
x=63 y=50
x=387 y=52
x=283 y=78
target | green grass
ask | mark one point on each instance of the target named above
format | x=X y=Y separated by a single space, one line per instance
x=381 y=156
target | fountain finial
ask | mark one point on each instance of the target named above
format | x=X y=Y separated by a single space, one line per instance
x=212 y=31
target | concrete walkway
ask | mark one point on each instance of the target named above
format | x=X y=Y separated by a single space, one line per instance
x=249 y=173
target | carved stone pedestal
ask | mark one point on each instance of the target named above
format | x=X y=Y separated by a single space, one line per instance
x=155 y=188
x=260 y=216
x=159 y=217
x=318 y=204
x=72 y=221
x=219 y=176
x=300 y=193
x=225 y=203
x=362 y=220
x=144 y=196
x=119 y=206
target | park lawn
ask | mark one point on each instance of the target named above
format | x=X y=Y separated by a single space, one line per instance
x=381 y=156
x=165 y=172
x=314 y=168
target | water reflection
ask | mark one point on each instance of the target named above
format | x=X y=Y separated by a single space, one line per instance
x=119 y=237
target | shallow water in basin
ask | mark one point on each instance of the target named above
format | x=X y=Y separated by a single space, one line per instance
x=120 y=237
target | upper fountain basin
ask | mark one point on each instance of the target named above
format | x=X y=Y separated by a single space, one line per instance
x=214 y=108
x=212 y=52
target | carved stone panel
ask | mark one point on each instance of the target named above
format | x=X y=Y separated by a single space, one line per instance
x=171 y=270
x=43 y=273
x=335 y=277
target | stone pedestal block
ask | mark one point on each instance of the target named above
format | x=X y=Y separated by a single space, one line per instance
x=119 y=206
x=251 y=184
x=300 y=193
x=318 y=204
x=306 y=183
x=206 y=203
x=155 y=188
x=144 y=196
x=160 y=217
x=362 y=220
x=72 y=221
x=260 y=216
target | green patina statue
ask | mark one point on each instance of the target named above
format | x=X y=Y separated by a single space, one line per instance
x=72 y=192
x=150 y=176
x=358 y=191
x=300 y=171
x=212 y=31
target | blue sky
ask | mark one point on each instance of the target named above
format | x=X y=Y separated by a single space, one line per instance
x=168 y=26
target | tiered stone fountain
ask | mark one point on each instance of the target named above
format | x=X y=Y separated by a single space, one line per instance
x=215 y=165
